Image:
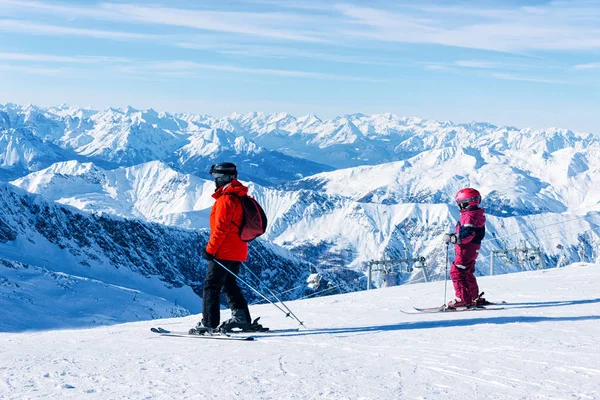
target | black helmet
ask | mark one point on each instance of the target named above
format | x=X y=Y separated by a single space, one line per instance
x=223 y=173
x=226 y=168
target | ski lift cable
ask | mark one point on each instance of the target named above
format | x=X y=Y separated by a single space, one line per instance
x=556 y=235
x=538 y=227
x=566 y=232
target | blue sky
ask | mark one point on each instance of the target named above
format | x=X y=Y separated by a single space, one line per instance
x=521 y=63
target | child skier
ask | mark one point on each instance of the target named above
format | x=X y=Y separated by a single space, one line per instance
x=469 y=232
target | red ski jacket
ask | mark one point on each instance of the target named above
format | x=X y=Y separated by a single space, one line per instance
x=226 y=217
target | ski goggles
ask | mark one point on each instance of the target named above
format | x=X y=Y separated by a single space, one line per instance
x=227 y=171
x=218 y=175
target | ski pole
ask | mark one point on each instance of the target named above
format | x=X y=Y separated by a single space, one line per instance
x=446 y=274
x=277 y=298
x=249 y=285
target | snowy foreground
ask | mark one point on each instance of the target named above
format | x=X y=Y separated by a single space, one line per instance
x=544 y=345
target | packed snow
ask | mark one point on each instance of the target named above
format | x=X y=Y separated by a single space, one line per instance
x=544 y=344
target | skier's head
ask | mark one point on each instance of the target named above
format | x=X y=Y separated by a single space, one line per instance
x=223 y=173
x=467 y=197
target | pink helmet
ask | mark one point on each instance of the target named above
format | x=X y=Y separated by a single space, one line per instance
x=467 y=197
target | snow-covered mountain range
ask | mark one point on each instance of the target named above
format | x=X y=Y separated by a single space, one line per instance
x=337 y=193
x=358 y=228
x=271 y=148
x=32 y=138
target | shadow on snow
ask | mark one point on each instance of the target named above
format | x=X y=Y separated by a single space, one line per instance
x=435 y=324
x=460 y=322
x=539 y=304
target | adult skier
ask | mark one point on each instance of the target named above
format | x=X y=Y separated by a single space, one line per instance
x=225 y=247
x=469 y=232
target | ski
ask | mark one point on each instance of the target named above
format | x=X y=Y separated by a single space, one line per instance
x=488 y=303
x=494 y=303
x=267 y=331
x=459 y=309
x=218 y=336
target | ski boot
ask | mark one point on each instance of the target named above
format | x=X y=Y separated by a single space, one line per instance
x=458 y=303
x=235 y=325
x=256 y=327
x=200 y=329
x=480 y=301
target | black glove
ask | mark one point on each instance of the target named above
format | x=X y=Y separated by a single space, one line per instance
x=451 y=238
x=207 y=256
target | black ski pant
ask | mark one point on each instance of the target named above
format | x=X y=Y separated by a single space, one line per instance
x=217 y=279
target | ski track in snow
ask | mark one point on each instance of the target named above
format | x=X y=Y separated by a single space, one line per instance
x=544 y=345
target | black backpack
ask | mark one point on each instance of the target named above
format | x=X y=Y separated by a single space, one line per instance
x=254 y=223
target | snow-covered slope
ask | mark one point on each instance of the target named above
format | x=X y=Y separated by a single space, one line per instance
x=61 y=267
x=37 y=297
x=543 y=344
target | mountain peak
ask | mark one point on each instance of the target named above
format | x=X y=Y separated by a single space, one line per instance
x=310 y=117
x=129 y=110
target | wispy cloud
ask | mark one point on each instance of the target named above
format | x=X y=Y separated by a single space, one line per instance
x=268 y=24
x=588 y=66
x=32 y=70
x=436 y=67
x=59 y=59
x=476 y=64
x=551 y=26
x=296 y=5
x=177 y=68
x=186 y=67
x=280 y=52
x=512 y=77
x=35 y=28
x=498 y=65
x=491 y=70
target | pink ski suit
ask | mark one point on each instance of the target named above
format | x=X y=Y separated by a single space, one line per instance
x=471 y=230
